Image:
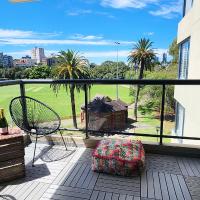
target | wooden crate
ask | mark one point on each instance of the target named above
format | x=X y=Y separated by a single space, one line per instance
x=11 y=156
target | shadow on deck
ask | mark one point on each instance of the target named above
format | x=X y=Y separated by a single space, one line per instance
x=70 y=177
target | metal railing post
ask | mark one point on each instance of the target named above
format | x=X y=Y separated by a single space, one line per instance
x=86 y=110
x=162 y=113
x=24 y=107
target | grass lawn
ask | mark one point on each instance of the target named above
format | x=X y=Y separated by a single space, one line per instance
x=60 y=103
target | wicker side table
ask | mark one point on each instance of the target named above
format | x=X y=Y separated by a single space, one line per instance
x=12 y=156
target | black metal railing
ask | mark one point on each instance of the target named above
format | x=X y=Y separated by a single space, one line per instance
x=87 y=82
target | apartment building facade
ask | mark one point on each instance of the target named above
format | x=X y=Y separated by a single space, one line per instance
x=6 y=61
x=38 y=54
x=188 y=97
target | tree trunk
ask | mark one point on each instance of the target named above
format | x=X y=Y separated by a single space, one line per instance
x=72 y=88
x=137 y=92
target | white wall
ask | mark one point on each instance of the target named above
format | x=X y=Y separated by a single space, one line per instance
x=189 y=96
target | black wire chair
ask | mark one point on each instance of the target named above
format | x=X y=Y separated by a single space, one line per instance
x=35 y=118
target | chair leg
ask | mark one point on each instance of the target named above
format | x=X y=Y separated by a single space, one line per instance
x=34 y=150
x=63 y=140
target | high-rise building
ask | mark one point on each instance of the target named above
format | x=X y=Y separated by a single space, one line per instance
x=7 y=61
x=51 y=61
x=164 y=58
x=1 y=59
x=38 y=54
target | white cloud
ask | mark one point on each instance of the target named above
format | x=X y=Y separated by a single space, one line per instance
x=15 y=33
x=87 y=37
x=127 y=3
x=149 y=33
x=88 y=12
x=164 y=9
x=10 y=33
x=78 y=12
x=19 y=54
x=25 y=41
x=169 y=11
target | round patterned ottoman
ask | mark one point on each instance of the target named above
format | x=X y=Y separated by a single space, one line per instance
x=120 y=157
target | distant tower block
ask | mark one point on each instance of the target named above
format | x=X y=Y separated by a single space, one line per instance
x=38 y=54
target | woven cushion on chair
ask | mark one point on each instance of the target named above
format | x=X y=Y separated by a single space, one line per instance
x=121 y=157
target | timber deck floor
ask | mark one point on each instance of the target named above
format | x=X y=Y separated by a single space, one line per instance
x=71 y=178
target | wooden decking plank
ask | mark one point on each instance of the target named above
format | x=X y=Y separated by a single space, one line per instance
x=115 y=196
x=18 y=188
x=122 y=197
x=182 y=167
x=77 y=155
x=128 y=197
x=38 y=191
x=163 y=186
x=93 y=181
x=156 y=183
x=108 y=196
x=5 y=189
x=119 y=178
x=72 y=174
x=188 y=168
x=101 y=196
x=150 y=185
x=193 y=167
x=120 y=191
x=170 y=186
x=184 y=188
x=83 y=177
x=61 y=197
x=137 y=198
x=67 y=193
x=70 y=189
x=78 y=175
x=120 y=187
x=179 y=194
x=26 y=190
x=120 y=183
x=94 y=195
x=197 y=164
x=62 y=176
x=144 y=185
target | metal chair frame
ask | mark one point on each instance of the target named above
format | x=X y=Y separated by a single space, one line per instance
x=27 y=130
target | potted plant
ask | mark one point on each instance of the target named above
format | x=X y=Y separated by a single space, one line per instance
x=3 y=123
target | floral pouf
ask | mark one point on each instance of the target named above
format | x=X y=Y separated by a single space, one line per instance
x=120 y=157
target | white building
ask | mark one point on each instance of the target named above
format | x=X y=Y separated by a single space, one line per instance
x=188 y=97
x=25 y=62
x=38 y=54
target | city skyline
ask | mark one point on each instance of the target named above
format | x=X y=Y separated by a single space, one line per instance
x=90 y=27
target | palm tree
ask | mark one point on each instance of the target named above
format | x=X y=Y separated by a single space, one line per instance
x=142 y=55
x=71 y=65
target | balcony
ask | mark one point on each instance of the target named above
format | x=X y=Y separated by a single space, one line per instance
x=172 y=170
x=165 y=177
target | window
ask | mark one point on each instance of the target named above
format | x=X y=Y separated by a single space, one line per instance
x=187 y=6
x=180 y=118
x=184 y=59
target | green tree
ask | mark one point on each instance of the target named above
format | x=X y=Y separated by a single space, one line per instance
x=71 y=66
x=40 y=72
x=174 y=51
x=108 y=70
x=142 y=55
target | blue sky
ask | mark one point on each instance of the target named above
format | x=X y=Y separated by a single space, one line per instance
x=88 y=26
